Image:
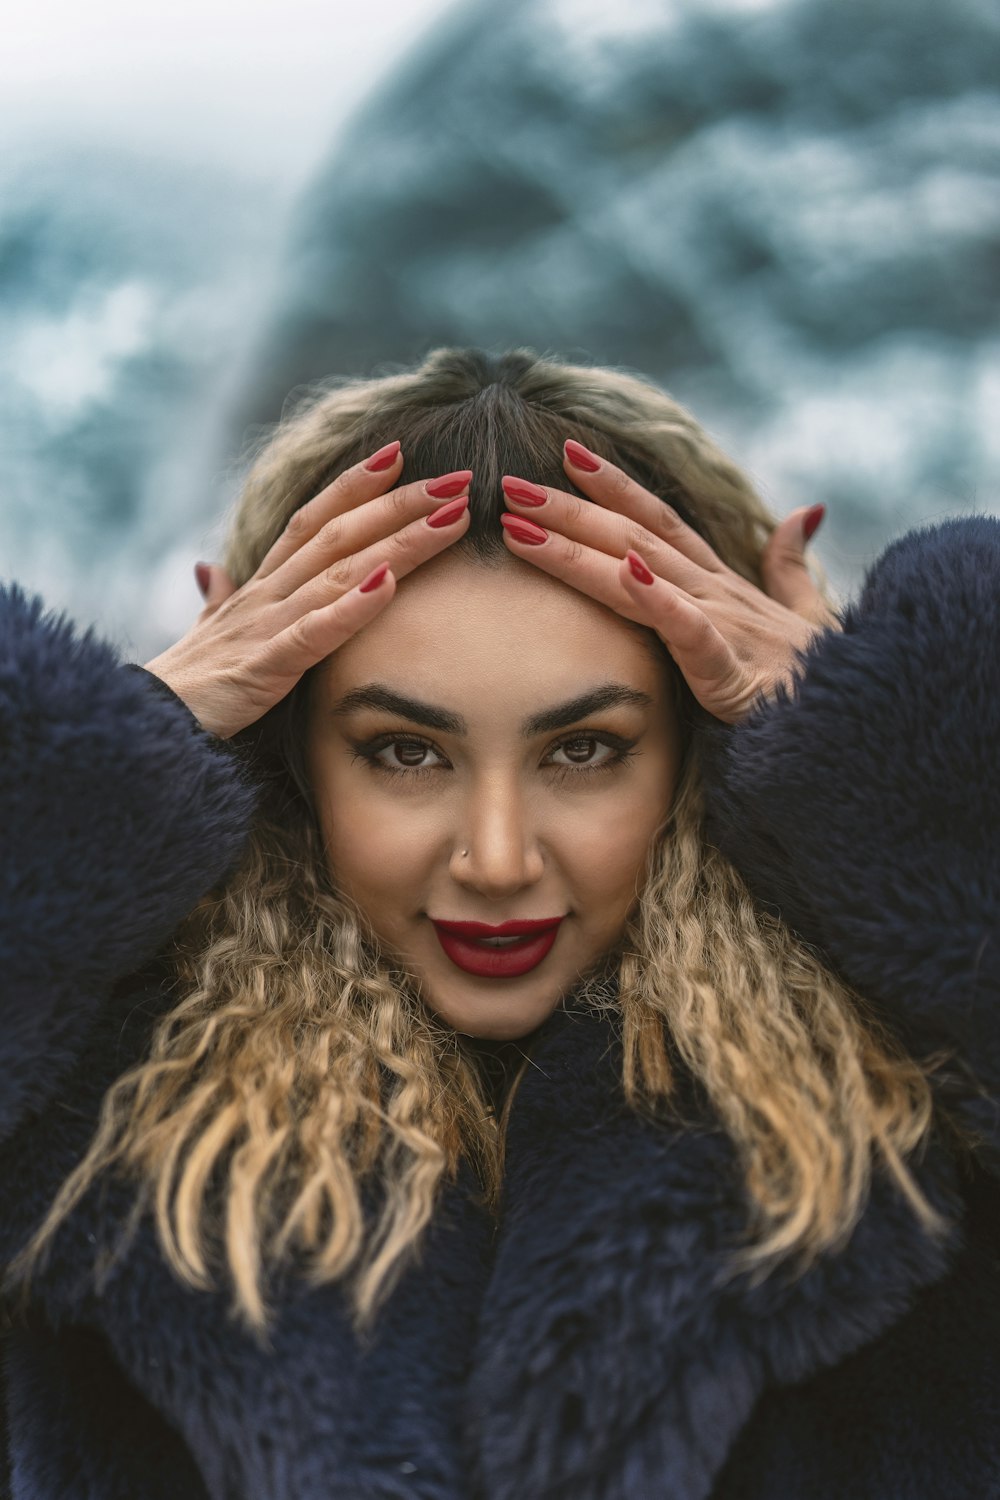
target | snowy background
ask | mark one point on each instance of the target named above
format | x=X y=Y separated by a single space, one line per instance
x=785 y=211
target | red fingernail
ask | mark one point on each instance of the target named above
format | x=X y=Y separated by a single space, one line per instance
x=383 y=459
x=374 y=579
x=522 y=530
x=202 y=577
x=581 y=457
x=811 y=520
x=639 y=569
x=448 y=484
x=446 y=514
x=523 y=491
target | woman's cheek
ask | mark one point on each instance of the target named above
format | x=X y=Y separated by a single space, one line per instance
x=615 y=842
x=373 y=849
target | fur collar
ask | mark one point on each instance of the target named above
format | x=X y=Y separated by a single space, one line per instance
x=610 y=1360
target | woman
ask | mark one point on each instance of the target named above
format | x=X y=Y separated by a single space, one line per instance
x=313 y=1187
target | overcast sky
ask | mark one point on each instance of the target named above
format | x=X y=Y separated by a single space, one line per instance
x=258 y=86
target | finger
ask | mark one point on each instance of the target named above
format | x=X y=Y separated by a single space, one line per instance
x=593 y=526
x=317 y=633
x=403 y=550
x=353 y=487
x=585 y=568
x=618 y=491
x=346 y=535
x=214 y=584
x=785 y=570
x=699 y=649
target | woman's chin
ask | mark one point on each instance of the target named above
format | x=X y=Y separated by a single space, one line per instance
x=501 y=1018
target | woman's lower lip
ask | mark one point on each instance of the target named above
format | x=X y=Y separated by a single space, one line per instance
x=497 y=963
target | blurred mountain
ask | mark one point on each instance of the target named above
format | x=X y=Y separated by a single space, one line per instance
x=787 y=213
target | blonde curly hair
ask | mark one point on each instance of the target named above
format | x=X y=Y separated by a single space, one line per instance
x=298 y=1064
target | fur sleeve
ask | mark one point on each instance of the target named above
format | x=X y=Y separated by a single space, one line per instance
x=117 y=812
x=862 y=803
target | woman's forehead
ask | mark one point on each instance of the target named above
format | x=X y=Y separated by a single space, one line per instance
x=457 y=620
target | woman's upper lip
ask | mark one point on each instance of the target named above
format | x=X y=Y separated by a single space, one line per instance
x=513 y=928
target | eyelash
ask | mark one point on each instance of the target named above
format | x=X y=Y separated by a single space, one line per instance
x=370 y=749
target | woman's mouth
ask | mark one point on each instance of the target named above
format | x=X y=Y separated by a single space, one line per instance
x=504 y=957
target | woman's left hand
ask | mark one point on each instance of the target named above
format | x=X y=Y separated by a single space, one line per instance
x=731 y=641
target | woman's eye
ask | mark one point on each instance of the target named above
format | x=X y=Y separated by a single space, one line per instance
x=580 y=751
x=402 y=755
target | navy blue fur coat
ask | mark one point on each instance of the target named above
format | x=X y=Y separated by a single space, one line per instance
x=582 y=1349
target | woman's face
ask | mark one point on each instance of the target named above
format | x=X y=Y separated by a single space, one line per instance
x=495 y=752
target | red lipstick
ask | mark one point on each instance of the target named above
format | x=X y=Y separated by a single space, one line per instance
x=462 y=942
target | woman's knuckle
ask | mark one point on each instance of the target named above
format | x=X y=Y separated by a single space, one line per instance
x=297 y=525
x=300 y=633
x=332 y=533
x=337 y=575
x=400 y=503
x=636 y=536
x=415 y=541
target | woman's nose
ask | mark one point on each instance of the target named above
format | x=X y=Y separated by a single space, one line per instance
x=497 y=848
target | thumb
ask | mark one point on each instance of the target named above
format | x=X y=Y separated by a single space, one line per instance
x=214 y=584
x=783 y=564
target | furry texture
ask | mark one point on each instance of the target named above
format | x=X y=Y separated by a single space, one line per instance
x=90 y=761
x=865 y=807
x=588 y=1350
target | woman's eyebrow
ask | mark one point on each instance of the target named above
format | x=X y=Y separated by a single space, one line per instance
x=378 y=695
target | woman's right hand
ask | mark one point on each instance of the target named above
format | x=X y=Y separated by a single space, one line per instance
x=249 y=648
